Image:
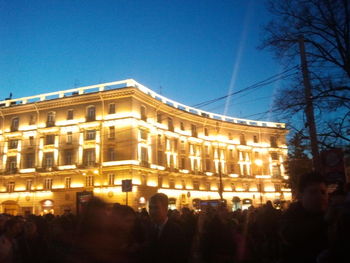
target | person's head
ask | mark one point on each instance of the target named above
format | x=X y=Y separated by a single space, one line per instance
x=13 y=227
x=312 y=192
x=158 y=208
x=124 y=217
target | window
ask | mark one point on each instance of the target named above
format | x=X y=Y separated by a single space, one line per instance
x=143 y=113
x=68 y=157
x=231 y=153
x=273 y=142
x=14 y=124
x=242 y=139
x=89 y=181
x=143 y=134
x=48 y=161
x=171 y=183
x=159 y=118
x=144 y=155
x=50 y=121
x=278 y=188
x=230 y=136
x=29 y=161
x=207 y=186
x=194 y=130
x=67 y=182
x=231 y=168
x=159 y=140
x=206 y=133
x=182 y=126
x=111 y=179
x=111 y=108
x=182 y=163
x=255 y=139
x=29 y=184
x=195 y=185
x=89 y=157
x=207 y=165
x=69 y=138
x=48 y=184
x=49 y=139
x=70 y=115
x=32 y=119
x=10 y=187
x=160 y=158
x=31 y=140
x=182 y=147
x=12 y=164
x=91 y=113
x=111 y=154
x=111 y=132
x=170 y=124
x=90 y=135
x=276 y=171
x=274 y=156
x=13 y=144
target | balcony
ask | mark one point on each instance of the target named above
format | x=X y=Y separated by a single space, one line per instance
x=11 y=171
x=50 y=123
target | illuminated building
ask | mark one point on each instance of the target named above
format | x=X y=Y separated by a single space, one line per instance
x=56 y=146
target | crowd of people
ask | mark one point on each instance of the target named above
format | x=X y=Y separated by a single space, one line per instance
x=315 y=228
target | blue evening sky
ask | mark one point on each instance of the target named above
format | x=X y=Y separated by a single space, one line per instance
x=193 y=49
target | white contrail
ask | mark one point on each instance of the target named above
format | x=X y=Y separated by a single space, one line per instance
x=238 y=55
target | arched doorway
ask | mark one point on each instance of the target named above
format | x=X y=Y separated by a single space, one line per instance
x=236 y=203
x=47 y=207
x=10 y=207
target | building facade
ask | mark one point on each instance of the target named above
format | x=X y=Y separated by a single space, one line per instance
x=58 y=149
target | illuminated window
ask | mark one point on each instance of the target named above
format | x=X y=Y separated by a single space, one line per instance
x=89 y=181
x=111 y=108
x=171 y=183
x=91 y=113
x=68 y=157
x=195 y=185
x=255 y=139
x=69 y=137
x=10 y=187
x=111 y=132
x=70 y=115
x=48 y=184
x=30 y=160
x=111 y=154
x=143 y=113
x=50 y=121
x=49 y=139
x=170 y=124
x=111 y=179
x=90 y=135
x=208 y=165
x=14 y=124
x=206 y=133
x=48 y=161
x=29 y=184
x=89 y=157
x=67 y=182
x=276 y=171
x=159 y=141
x=13 y=144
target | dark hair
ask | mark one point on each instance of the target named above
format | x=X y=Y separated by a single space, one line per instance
x=308 y=179
x=160 y=197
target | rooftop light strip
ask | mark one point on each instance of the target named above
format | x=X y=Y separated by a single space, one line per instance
x=133 y=83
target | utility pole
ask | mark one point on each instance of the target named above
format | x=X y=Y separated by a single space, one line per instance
x=309 y=109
